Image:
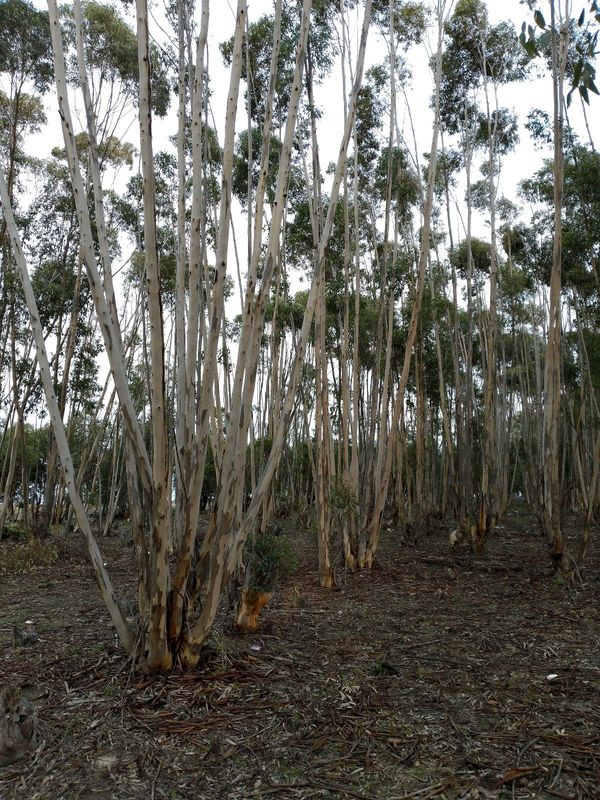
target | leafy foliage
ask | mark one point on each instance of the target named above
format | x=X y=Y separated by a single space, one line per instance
x=111 y=54
x=581 y=242
x=25 y=48
x=271 y=557
x=480 y=253
x=582 y=40
x=475 y=51
x=258 y=49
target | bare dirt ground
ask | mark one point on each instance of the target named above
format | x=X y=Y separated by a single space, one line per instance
x=428 y=677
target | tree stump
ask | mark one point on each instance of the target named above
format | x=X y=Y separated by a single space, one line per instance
x=253 y=600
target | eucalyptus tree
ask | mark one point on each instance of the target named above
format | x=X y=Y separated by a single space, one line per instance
x=555 y=38
x=480 y=57
x=395 y=190
x=552 y=381
x=178 y=610
x=373 y=517
x=305 y=218
x=51 y=243
x=26 y=72
x=579 y=285
x=359 y=266
x=458 y=111
x=319 y=206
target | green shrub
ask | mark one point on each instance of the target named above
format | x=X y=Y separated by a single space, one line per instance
x=14 y=530
x=270 y=557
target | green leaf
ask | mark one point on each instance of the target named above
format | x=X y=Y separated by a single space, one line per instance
x=539 y=19
x=588 y=70
x=592 y=86
x=531 y=49
x=581 y=19
x=584 y=93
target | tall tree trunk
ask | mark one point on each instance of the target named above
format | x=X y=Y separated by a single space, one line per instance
x=106 y=317
x=550 y=462
x=489 y=468
x=159 y=654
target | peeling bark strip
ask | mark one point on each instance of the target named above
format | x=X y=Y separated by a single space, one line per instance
x=58 y=428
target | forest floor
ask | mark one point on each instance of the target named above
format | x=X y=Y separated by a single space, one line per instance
x=435 y=675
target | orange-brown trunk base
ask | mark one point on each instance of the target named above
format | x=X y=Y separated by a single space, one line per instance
x=251 y=605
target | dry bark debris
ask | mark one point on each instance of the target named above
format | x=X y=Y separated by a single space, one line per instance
x=302 y=708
